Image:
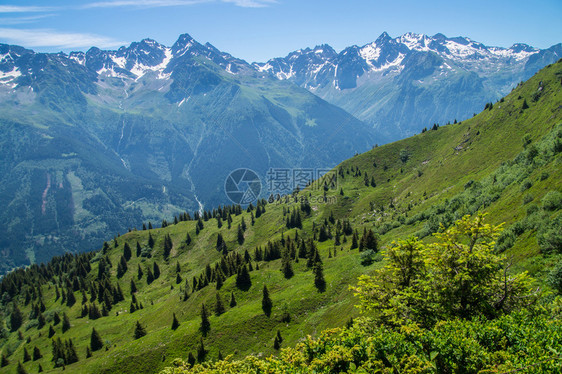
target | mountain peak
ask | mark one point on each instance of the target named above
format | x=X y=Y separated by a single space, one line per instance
x=383 y=38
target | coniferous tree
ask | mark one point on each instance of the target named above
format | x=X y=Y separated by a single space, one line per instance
x=150 y=240
x=36 y=354
x=354 y=240
x=149 y=276
x=140 y=331
x=133 y=286
x=20 y=369
x=286 y=266
x=88 y=352
x=4 y=361
x=139 y=249
x=26 y=356
x=156 y=270
x=139 y=272
x=219 y=306
x=175 y=323
x=266 y=303
x=187 y=239
x=232 y=300
x=51 y=331
x=168 y=245
x=205 y=324
x=240 y=235
x=40 y=321
x=201 y=351
x=65 y=323
x=16 y=318
x=95 y=341
x=191 y=359
x=127 y=252
x=319 y=281
x=243 y=280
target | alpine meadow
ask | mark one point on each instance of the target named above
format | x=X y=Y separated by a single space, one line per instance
x=388 y=207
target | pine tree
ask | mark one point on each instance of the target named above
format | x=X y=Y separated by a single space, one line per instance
x=127 y=252
x=139 y=249
x=20 y=369
x=133 y=286
x=286 y=266
x=175 y=323
x=88 y=352
x=266 y=303
x=149 y=276
x=191 y=359
x=51 y=331
x=40 y=369
x=319 y=280
x=219 y=306
x=16 y=318
x=36 y=354
x=354 y=240
x=168 y=245
x=232 y=300
x=95 y=341
x=4 y=361
x=240 y=235
x=140 y=331
x=243 y=280
x=205 y=324
x=65 y=323
x=150 y=240
x=201 y=351
x=156 y=270
x=26 y=356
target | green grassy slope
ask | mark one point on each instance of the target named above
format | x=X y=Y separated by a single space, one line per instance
x=503 y=161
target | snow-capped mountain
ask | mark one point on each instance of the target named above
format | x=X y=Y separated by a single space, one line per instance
x=402 y=84
x=94 y=143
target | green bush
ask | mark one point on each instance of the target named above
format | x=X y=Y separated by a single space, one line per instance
x=552 y=201
x=555 y=278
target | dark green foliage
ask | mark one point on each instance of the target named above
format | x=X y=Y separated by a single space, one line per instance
x=26 y=356
x=205 y=326
x=20 y=369
x=240 y=235
x=201 y=351
x=319 y=281
x=168 y=245
x=140 y=331
x=127 y=251
x=36 y=354
x=4 y=361
x=232 y=300
x=219 y=306
x=175 y=323
x=156 y=270
x=95 y=341
x=51 y=331
x=65 y=323
x=266 y=303
x=243 y=280
x=150 y=240
x=191 y=359
x=16 y=318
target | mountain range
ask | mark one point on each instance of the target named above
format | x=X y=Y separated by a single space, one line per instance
x=94 y=143
x=400 y=85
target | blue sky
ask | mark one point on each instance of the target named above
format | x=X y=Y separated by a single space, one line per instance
x=257 y=30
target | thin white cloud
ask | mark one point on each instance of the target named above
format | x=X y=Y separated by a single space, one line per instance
x=52 y=38
x=251 y=3
x=20 y=20
x=143 y=3
x=24 y=9
x=170 y=3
